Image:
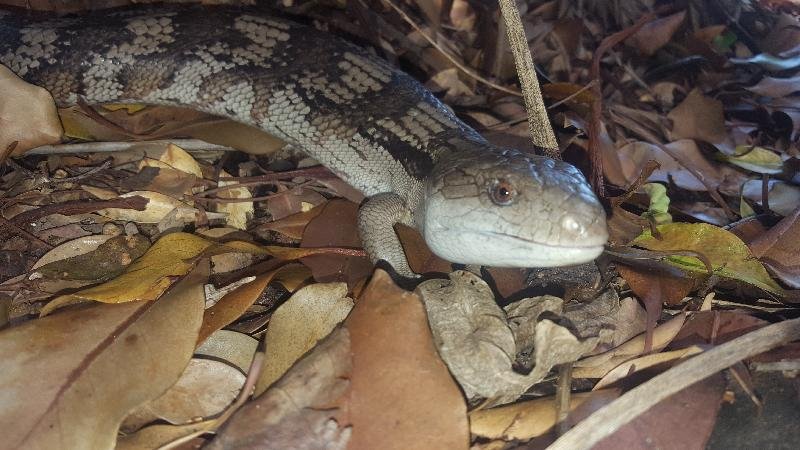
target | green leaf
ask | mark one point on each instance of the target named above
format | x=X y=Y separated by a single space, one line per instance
x=659 y=203
x=729 y=256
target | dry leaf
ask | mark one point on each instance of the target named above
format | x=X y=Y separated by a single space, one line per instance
x=204 y=389
x=598 y=366
x=176 y=158
x=69 y=249
x=236 y=349
x=656 y=34
x=335 y=226
x=158 y=436
x=158 y=207
x=298 y=324
x=529 y=419
x=235 y=303
x=294 y=225
x=395 y=363
x=300 y=411
x=63 y=382
x=699 y=117
x=479 y=345
x=237 y=213
x=641 y=363
x=28 y=116
x=170 y=258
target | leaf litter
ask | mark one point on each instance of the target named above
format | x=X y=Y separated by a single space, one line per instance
x=698 y=132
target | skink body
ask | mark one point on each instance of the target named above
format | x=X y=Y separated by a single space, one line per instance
x=373 y=125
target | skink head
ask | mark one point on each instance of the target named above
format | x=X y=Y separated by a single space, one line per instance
x=503 y=208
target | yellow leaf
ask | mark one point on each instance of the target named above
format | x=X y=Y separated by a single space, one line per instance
x=171 y=257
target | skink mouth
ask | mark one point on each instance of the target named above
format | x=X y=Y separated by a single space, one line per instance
x=577 y=246
x=543 y=244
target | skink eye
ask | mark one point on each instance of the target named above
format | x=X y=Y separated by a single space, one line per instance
x=502 y=193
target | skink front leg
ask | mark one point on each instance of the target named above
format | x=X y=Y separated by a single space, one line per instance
x=376 y=220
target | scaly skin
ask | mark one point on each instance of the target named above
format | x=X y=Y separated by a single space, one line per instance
x=374 y=126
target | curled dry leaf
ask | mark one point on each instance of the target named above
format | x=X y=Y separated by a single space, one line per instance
x=63 y=383
x=298 y=324
x=756 y=159
x=204 y=389
x=479 y=346
x=413 y=403
x=28 y=116
x=301 y=409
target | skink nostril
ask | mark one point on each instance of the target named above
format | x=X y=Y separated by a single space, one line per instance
x=571 y=225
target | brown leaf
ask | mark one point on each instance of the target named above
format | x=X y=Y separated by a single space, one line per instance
x=335 y=226
x=716 y=327
x=779 y=249
x=205 y=388
x=301 y=409
x=235 y=303
x=294 y=225
x=699 y=117
x=64 y=382
x=634 y=156
x=390 y=336
x=683 y=420
x=420 y=258
x=656 y=34
x=655 y=289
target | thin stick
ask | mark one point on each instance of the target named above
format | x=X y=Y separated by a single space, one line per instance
x=447 y=54
x=541 y=132
x=638 y=400
x=102 y=147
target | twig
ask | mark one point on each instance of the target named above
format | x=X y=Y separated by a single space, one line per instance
x=538 y=123
x=638 y=400
x=447 y=54
x=101 y=147
x=597 y=103
x=74 y=207
x=563 y=394
x=105 y=165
